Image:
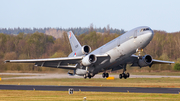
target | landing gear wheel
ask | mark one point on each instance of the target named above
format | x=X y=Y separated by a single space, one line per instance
x=120 y=76
x=85 y=76
x=128 y=75
x=124 y=75
x=107 y=75
x=104 y=75
x=89 y=77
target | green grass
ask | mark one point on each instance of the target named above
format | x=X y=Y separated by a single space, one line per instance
x=19 y=95
x=157 y=73
x=131 y=82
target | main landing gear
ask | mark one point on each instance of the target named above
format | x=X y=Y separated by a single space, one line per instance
x=124 y=75
x=105 y=75
x=89 y=75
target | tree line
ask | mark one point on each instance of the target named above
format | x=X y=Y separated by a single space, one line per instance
x=77 y=30
x=163 y=46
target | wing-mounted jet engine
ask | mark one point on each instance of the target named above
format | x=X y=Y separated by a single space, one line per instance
x=89 y=59
x=145 y=60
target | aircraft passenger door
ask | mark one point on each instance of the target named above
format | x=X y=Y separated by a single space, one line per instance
x=135 y=34
x=119 y=49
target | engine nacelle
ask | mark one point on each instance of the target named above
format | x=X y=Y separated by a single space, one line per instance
x=82 y=51
x=146 y=60
x=89 y=59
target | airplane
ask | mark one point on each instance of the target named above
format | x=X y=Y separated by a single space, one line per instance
x=114 y=55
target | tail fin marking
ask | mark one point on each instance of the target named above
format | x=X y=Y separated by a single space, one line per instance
x=75 y=45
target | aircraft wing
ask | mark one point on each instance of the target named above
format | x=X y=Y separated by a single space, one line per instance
x=154 y=61
x=161 y=62
x=65 y=62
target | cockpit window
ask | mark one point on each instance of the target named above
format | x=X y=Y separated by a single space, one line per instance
x=145 y=29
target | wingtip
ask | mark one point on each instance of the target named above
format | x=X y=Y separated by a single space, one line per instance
x=6 y=61
x=171 y=63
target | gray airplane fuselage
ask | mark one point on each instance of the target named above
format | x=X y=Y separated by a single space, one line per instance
x=121 y=48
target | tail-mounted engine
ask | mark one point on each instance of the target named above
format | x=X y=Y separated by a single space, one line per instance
x=84 y=50
x=146 y=60
x=89 y=59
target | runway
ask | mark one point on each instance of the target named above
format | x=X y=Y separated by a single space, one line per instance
x=58 y=76
x=92 y=89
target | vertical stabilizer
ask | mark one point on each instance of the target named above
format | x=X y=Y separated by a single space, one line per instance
x=75 y=45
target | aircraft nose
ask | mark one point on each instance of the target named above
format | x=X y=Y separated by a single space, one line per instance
x=148 y=35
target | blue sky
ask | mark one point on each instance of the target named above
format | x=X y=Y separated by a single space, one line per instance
x=121 y=14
